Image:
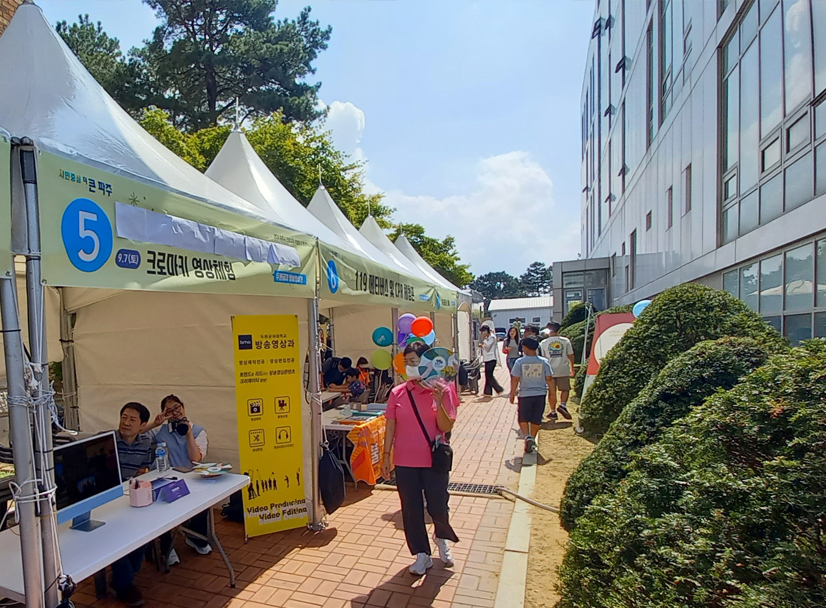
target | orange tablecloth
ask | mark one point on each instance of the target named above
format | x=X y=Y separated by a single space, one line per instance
x=368 y=439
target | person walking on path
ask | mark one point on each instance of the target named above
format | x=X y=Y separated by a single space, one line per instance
x=418 y=418
x=489 y=344
x=530 y=378
x=510 y=346
x=560 y=354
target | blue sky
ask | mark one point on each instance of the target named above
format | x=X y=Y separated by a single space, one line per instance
x=467 y=113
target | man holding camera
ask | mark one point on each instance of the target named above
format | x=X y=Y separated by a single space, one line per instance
x=185 y=443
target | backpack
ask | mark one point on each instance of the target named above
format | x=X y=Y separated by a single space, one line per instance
x=330 y=481
x=234 y=509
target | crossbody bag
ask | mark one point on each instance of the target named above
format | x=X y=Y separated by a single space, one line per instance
x=441 y=453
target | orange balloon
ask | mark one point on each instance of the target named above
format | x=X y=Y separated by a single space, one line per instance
x=398 y=363
x=421 y=326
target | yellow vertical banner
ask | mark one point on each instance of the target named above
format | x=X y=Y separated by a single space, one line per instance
x=268 y=395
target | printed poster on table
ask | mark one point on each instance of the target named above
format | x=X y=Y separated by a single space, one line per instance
x=268 y=395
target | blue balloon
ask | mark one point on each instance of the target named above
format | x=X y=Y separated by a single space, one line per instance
x=382 y=336
x=430 y=338
x=639 y=307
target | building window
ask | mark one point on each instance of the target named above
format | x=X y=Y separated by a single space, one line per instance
x=687 y=190
x=536 y=319
x=788 y=289
x=669 y=206
x=651 y=74
x=769 y=159
x=648 y=221
x=613 y=265
x=666 y=57
x=631 y=279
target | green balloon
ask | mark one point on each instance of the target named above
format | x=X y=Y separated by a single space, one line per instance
x=382 y=359
x=411 y=339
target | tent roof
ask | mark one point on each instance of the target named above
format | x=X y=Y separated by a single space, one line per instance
x=239 y=169
x=46 y=94
x=325 y=209
x=411 y=254
x=371 y=230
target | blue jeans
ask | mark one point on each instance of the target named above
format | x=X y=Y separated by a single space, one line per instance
x=510 y=364
x=123 y=570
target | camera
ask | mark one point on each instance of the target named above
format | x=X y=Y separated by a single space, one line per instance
x=180 y=426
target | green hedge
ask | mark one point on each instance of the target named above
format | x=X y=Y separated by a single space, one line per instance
x=576 y=314
x=579 y=380
x=675 y=321
x=576 y=334
x=728 y=509
x=683 y=384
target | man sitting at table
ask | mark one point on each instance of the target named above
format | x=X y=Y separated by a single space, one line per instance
x=334 y=378
x=185 y=443
x=135 y=453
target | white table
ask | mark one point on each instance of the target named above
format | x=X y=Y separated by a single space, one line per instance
x=127 y=529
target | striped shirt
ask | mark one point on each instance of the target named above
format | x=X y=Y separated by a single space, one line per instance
x=136 y=455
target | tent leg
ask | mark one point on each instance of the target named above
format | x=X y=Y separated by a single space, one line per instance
x=394 y=317
x=455 y=328
x=20 y=424
x=317 y=519
x=71 y=413
x=40 y=363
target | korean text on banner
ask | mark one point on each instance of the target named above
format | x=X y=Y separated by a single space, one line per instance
x=104 y=230
x=368 y=439
x=6 y=261
x=268 y=395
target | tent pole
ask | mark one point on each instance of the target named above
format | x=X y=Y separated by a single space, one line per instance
x=71 y=413
x=40 y=366
x=315 y=410
x=455 y=326
x=394 y=350
x=20 y=424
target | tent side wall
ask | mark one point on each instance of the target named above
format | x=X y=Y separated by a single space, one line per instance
x=141 y=346
x=353 y=329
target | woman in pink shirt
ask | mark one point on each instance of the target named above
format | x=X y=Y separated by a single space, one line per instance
x=412 y=458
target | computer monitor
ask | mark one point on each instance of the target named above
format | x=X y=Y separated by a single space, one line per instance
x=87 y=475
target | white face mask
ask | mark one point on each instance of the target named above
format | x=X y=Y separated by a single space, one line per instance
x=412 y=372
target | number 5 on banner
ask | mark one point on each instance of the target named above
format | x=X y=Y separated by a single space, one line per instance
x=87 y=235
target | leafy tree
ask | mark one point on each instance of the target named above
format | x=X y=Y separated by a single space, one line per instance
x=440 y=254
x=497 y=285
x=294 y=153
x=537 y=279
x=207 y=53
x=99 y=53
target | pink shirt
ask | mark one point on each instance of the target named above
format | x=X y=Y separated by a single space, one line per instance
x=411 y=448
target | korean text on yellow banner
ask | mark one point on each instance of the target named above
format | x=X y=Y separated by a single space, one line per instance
x=268 y=394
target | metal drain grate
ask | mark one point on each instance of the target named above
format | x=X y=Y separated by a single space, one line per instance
x=467 y=488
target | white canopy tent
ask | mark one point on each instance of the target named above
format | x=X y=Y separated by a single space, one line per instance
x=239 y=168
x=140 y=338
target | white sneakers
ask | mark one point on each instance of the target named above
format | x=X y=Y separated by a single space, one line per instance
x=202 y=549
x=173 y=558
x=444 y=552
x=423 y=562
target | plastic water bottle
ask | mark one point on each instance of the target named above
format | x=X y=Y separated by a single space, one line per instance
x=162 y=458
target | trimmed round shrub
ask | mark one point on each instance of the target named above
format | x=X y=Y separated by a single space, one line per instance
x=576 y=314
x=728 y=509
x=676 y=320
x=684 y=383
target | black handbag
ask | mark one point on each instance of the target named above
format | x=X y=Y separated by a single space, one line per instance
x=441 y=453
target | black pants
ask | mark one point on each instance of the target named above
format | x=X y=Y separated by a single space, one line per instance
x=490 y=382
x=412 y=482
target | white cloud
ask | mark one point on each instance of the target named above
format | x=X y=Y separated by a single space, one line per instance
x=506 y=221
x=347 y=122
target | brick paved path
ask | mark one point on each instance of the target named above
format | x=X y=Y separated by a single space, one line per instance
x=361 y=559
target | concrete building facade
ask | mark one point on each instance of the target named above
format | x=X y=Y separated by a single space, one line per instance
x=529 y=311
x=704 y=153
